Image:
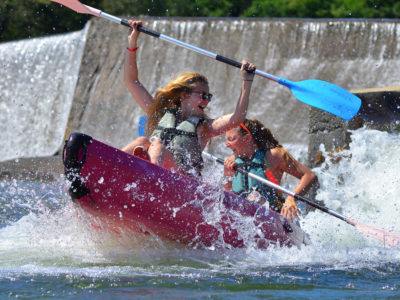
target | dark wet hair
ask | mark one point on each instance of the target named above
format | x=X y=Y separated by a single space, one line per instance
x=263 y=137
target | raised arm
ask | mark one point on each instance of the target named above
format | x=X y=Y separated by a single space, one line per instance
x=131 y=73
x=227 y=122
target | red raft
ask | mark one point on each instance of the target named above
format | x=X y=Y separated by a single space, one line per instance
x=127 y=193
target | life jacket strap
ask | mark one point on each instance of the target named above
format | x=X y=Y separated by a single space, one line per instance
x=167 y=134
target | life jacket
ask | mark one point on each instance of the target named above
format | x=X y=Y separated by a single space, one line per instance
x=182 y=141
x=244 y=185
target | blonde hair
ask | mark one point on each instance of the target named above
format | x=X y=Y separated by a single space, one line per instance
x=264 y=139
x=169 y=97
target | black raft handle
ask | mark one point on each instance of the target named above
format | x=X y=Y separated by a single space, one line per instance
x=76 y=143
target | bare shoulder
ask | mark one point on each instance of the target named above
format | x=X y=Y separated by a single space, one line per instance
x=275 y=155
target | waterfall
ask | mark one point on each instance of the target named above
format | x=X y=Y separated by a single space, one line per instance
x=37 y=84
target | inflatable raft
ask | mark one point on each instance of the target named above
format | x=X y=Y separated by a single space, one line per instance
x=127 y=194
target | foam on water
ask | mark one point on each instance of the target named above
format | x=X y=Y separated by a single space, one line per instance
x=49 y=233
x=362 y=186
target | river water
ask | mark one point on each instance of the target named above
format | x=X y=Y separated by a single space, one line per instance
x=46 y=250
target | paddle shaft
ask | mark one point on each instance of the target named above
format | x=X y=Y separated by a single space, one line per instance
x=187 y=46
x=281 y=189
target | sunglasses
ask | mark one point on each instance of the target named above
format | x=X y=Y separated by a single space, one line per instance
x=204 y=95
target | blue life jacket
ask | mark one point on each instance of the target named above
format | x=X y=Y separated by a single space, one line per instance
x=244 y=185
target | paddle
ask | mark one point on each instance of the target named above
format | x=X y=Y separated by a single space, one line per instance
x=314 y=92
x=389 y=238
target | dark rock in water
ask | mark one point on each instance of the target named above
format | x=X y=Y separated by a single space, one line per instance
x=380 y=110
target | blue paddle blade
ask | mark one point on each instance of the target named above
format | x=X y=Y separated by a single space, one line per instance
x=325 y=96
x=142 y=126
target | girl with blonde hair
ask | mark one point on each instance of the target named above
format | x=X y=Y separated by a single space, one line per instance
x=177 y=123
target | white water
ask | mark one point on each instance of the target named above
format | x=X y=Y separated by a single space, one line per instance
x=37 y=84
x=364 y=188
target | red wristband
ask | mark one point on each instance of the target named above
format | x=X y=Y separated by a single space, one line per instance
x=132 y=50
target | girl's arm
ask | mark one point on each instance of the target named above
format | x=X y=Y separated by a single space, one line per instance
x=131 y=73
x=306 y=176
x=227 y=122
x=307 y=179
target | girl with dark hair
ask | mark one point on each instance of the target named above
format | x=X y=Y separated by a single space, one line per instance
x=255 y=149
x=177 y=124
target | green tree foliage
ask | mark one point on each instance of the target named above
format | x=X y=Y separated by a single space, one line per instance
x=28 y=18
x=21 y=19
x=134 y=7
x=324 y=8
x=182 y=8
x=365 y=9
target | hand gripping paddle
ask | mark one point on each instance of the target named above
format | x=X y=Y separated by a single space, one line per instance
x=387 y=237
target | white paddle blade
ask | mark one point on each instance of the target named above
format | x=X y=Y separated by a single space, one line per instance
x=79 y=7
x=387 y=237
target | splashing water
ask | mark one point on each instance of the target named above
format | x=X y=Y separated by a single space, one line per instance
x=363 y=186
x=42 y=234
x=350 y=187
